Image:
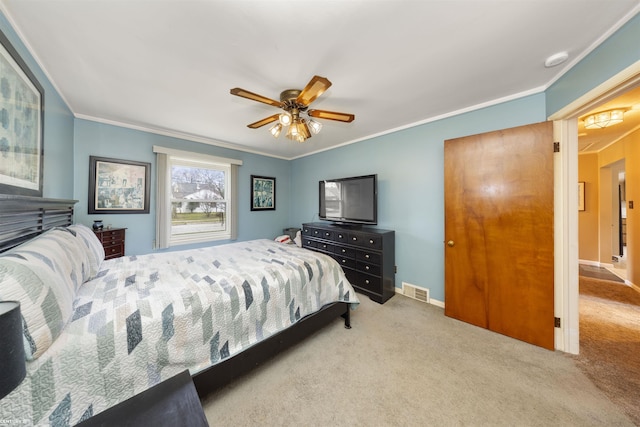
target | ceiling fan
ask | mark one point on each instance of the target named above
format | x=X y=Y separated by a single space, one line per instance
x=297 y=114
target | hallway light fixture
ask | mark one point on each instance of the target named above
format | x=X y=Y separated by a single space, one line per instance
x=604 y=119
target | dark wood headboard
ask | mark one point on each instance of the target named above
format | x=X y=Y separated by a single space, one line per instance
x=22 y=217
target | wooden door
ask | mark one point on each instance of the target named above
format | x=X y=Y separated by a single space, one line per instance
x=499 y=232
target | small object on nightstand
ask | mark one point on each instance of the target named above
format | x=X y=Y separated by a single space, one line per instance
x=97 y=224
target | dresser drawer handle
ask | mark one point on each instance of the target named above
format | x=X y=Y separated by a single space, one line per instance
x=354 y=238
x=367 y=256
x=327 y=234
x=366 y=267
x=371 y=241
x=324 y=246
x=316 y=232
x=366 y=281
x=344 y=251
x=340 y=236
x=344 y=260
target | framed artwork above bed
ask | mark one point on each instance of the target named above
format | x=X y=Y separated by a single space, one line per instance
x=118 y=186
x=21 y=125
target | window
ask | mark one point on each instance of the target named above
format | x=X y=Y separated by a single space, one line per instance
x=196 y=198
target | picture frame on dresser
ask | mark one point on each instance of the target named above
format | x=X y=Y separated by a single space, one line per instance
x=263 y=193
x=118 y=186
x=22 y=125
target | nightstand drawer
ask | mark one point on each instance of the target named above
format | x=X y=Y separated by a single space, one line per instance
x=114 y=251
x=112 y=236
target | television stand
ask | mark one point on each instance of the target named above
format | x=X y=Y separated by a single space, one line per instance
x=366 y=254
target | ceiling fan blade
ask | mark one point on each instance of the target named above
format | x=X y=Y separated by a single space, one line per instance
x=255 y=97
x=316 y=87
x=264 y=121
x=331 y=115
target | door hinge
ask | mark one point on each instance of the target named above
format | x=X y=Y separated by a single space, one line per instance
x=556 y=322
x=556 y=147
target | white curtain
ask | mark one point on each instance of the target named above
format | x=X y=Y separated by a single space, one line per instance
x=234 y=202
x=163 y=202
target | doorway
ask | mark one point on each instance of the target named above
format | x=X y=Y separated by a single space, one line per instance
x=567 y=239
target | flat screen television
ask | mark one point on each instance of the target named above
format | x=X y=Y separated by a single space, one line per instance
x=351 y=200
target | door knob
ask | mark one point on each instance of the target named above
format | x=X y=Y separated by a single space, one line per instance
x=450 y=243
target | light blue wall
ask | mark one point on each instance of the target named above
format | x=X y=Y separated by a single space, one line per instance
x=409 y=163
x=615 y=54
x=58 y=127
x=96 y=139
x=410 y=168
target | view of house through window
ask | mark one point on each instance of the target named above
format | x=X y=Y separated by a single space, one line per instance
x=198 y=199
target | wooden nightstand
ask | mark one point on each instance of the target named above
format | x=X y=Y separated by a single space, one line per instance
x=113 y=241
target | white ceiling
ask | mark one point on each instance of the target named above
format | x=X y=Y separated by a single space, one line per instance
x=167 y=66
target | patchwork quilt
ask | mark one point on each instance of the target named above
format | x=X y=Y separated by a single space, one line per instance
x=143 y=319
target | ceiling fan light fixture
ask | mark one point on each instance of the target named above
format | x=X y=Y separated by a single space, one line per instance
x=276 y=129
x=604 y=119
x=296 y=115
x=285 y=118
x=292 y=132
x=315 y=126
x=303 y=128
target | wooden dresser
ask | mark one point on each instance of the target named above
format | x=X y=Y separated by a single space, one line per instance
x=366 y=254
x=113 y=241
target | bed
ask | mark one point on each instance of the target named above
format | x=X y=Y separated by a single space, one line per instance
x=98 y=332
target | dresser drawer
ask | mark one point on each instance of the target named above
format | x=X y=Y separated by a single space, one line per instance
x=365 y=281
x=308 y=243
x=368 y=268
x=325 y=247
x=341 y=236
x=308 y=231
x=345 y=252
x=345 y=262
x=365 y=240
x=369 y=257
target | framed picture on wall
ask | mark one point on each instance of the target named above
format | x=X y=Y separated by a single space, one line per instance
x=118 y=186
x=21 y=120
x=263 y=193
x=581 y=196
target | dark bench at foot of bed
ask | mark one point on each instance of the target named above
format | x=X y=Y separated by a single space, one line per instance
x=173 y=402
x=221 y=374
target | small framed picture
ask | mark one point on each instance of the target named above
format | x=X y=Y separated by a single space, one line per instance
x=263 y=193
x=581 y=196
x=118 y=186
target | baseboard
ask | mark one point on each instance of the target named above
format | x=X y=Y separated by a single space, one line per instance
x=432 y=301
x=589 y=262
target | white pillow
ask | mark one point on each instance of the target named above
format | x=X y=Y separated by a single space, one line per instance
x=44 y=275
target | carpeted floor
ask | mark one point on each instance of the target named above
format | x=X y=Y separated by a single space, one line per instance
x=598 y=273
x=610 y=341
x=406 y=364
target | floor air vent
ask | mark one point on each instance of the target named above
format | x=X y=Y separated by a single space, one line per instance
x=412 y=291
